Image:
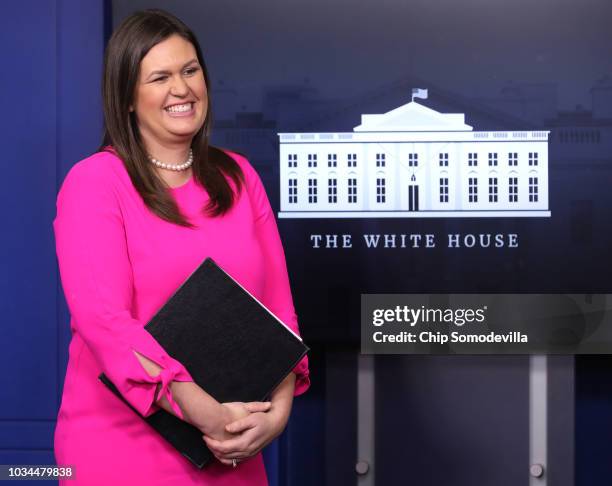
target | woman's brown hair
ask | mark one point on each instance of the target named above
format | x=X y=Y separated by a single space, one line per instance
x=130 y=42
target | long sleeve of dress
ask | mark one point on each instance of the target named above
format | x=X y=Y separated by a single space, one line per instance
x=277 y=291
x=98 y=284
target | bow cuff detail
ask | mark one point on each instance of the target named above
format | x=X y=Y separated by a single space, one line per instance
x=165 y=377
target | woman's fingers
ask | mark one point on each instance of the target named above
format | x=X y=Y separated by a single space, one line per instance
x=241 y=425
x=239 y=448
x=228 y=448
x=258 y=406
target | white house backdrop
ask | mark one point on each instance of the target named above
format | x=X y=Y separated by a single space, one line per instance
x=414 y=162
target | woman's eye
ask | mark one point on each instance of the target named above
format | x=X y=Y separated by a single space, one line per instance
x=188 y=72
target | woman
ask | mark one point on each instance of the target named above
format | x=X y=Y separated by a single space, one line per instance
x=133 y=221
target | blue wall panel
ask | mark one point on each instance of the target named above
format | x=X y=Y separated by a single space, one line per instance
x=51 y=52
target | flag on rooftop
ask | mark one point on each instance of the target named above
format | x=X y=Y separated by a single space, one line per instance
x=419 y=93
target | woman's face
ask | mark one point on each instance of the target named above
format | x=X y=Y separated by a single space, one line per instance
x=170 y=99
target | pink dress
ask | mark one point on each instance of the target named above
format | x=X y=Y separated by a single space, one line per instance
x=119 y=263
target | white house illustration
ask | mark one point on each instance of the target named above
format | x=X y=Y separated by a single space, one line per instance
x=414 y=162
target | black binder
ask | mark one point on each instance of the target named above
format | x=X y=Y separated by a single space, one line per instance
x=233 y=347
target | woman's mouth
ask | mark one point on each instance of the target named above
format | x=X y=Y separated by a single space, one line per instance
x=177 y=111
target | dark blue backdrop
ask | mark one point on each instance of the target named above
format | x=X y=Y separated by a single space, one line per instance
x=52 y=53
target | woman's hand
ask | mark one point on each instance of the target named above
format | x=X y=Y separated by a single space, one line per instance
x=249 y=435
x=235 y=411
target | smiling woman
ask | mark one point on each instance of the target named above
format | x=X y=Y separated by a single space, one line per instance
x=153 y=69
x=133 y=221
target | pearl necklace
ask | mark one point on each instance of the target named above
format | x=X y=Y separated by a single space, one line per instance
x=184 y=166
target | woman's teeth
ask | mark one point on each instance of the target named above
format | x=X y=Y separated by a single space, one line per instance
x=179 y=108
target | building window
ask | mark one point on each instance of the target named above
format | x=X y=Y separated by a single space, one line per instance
x=332 y=190
x=444 y=160
x=352 y=160
x=413 y=160
x=292 y=191
x=352 y=190
x=381 y=195
x=312 y=160
x=492 y=159
x=312 y=191
x=380 y=160
x=443 y=189
x=533 y=189
x=472 y=159
x=513 y=159
x=513 y=189
x=492 y=189
x=292 y=160
x=473 y=189
x=533 y=158
x=332 y=160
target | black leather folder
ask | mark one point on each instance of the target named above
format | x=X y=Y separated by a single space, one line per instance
x=233 y=347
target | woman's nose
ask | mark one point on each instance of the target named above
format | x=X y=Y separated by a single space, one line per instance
x=179 y=86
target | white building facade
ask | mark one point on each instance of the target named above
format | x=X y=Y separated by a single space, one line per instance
x=414 y=162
